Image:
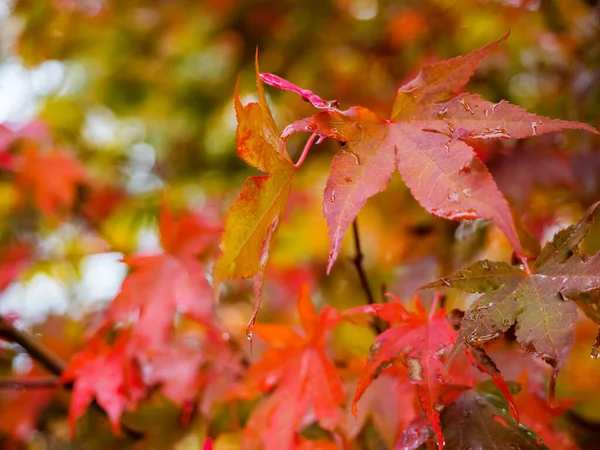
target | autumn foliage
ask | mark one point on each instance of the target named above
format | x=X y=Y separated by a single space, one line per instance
x=259 y=314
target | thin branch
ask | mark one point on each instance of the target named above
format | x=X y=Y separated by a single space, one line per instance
x=383 y=291
x=33 y=346
x=30 y=383
x=358 y=260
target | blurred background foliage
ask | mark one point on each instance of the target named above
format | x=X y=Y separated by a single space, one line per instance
x=129 y=104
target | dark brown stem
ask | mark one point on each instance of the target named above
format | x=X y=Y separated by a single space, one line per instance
x=30 y=383
x=383 y=291
x=358 y=260
x=358 y=263
x=33 y=346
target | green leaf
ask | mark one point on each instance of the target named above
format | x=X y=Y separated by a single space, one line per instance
x=481 y=420
x=538 y=303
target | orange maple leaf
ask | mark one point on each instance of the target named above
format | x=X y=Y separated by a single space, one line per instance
x=51 y=179
x=304 y=379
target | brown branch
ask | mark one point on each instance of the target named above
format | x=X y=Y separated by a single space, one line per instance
x=33 y=346
x=358 y=263
x=30 y=383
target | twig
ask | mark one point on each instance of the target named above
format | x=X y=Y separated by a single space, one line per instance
x=34 y=347
x=358 y=260
x=383 y=291
x=30 y=383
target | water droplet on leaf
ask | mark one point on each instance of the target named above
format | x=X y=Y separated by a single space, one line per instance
x=595 y=354
x=466 y=168
x=452 y=197
x=467 y=107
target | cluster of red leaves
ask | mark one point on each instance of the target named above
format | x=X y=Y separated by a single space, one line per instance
x=298 y=385
x=419 y=342
x=149 y=349
x=161 y=329
x=427 y=140
x=305 y=384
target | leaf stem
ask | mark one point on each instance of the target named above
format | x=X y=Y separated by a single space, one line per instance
x=525 y=265
x=362 y=275
x=305 y=150
x=30 y=383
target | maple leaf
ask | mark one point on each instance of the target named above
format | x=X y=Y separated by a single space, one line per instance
x=177 y=369
x=479 y=419
x=188 y=235
x=20 y=413
x=107 y=374
x=305 y=379
x=419 y=342
x=388 y=403
x=539 y=303
x=539 y=416
x=161 y=285
x=100 y=201
x=540 y=166
x=416 y=434
x=15 y=258
x=34 y=131
x=198 y=360
x=424 y=141
x=51 y=178
x=253 y=218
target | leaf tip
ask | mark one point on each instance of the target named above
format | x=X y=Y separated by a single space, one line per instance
x=354 y=407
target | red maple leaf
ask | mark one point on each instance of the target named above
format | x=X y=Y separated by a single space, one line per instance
x=35 y=131
x=50 y=178
x=389 y=403
x=14 y=259
x=196 y=360
x=424 y=141
x=420 y=342
x=536 y=412
x=188 y=235
x=303 y=378
x=100 y=201
x=163 y=285
x=159 y=288
x=20 y=412
x=107 y=374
